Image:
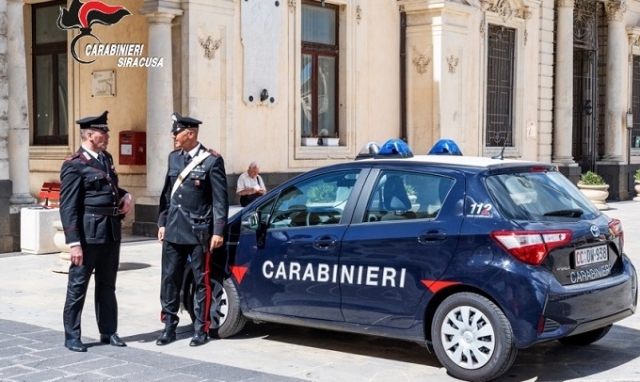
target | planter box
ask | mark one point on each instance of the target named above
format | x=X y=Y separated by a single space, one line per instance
x=37 y=230
x=309 y=141
x=325 y=141
x=597 y=194
x=330 y=141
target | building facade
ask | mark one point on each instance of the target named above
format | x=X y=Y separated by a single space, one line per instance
x=297 y=84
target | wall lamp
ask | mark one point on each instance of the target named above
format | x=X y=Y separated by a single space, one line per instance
x=264 y=95
x=629 y=119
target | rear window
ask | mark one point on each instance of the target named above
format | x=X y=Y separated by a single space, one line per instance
x=539 y=196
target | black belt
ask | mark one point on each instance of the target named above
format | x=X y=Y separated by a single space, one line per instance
x=106 y=211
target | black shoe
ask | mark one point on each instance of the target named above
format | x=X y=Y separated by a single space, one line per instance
x=75 y=345
x=112 y=339
x=199 y=339
x=167 y=337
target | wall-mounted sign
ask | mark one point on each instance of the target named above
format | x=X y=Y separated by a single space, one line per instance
x=260 y=29
x=103 y=83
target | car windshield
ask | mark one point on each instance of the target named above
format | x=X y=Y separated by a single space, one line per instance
x=539 y=196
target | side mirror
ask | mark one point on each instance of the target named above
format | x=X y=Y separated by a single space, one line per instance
x=261 y=231
x=252 y=221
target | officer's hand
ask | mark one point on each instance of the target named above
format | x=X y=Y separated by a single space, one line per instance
x=76 y=255
x=125 y=204
x=161 y=234
x=216 y=242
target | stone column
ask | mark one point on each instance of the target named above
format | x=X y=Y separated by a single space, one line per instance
x=563 y=95
x=615 y=94
x=18 y=109
x=7 y=233
x=4 y=95
x=159 y=109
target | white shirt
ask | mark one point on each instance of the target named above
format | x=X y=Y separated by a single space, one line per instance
x=246 y=182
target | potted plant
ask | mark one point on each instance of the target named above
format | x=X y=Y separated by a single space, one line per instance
x=636 y=176
x=328 y=141
x=594 y=187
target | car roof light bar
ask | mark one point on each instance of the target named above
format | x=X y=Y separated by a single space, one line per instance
x=445 y=147
x=394 y=148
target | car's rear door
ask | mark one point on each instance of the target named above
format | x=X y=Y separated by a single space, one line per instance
x=392 y=253
x=292 y=272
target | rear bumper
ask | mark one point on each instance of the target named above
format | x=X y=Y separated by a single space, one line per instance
x=584 y=307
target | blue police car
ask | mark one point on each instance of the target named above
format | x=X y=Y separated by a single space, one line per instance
x=476 y=257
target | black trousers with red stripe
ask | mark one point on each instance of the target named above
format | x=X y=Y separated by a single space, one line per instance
x=104 y=260
x=174 y=260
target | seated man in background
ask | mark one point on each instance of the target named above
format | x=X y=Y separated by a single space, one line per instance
x=250 y=185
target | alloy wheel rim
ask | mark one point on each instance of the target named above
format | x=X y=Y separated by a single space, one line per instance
x=468 y=338
x=219 y=306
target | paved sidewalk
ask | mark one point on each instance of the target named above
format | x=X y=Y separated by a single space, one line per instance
x=31 y=338
x=30 y=353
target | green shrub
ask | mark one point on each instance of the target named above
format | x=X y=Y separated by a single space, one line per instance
x=591 y=178
x=636 y=176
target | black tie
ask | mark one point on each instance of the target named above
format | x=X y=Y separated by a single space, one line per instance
x=187 y=158
x=102 y=160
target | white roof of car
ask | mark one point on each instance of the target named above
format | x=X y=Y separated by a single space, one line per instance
x=459 y=160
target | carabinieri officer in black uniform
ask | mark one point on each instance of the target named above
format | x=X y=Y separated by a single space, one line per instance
x=192 y=220
x=91 y=209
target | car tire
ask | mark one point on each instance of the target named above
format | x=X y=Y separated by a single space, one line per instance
x=224 y=312
x=586 y=338
x=226 y=317
x=472 y=337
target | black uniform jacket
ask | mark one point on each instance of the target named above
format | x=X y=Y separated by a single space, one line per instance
x=201 y=199
x=86 y=184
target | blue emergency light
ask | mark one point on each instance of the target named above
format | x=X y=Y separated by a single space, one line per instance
x=394 y=148
x=445 y=147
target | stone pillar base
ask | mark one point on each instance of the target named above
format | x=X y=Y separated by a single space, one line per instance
x=617 y=177
x=61 y=262
x=570 y=171
x=146 y=223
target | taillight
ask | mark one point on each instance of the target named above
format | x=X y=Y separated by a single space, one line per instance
x=615 y=226
x=530 y=247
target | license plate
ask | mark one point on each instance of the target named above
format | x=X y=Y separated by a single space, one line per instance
x=591 y=255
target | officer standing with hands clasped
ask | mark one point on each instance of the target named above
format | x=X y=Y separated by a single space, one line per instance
x=192 y=221
x=91 y=209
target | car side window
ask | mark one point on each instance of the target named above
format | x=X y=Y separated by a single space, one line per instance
x=400 y=195
x=320 y=200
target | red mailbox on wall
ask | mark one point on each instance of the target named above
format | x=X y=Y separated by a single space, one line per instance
x=133 y=147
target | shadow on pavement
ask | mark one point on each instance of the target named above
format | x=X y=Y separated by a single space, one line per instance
x=132 y=266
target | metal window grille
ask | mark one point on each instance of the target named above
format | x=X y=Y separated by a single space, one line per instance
x=500 y=91
x=635 y=103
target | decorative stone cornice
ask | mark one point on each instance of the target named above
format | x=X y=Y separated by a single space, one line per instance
x=615 y=10
x=634 y=36
x=566 y=3
x=504 y=9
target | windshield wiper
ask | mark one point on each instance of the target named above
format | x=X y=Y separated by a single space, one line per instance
x=572 y=212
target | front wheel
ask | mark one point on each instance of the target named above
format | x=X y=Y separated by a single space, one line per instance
x=472 y=338
x=586 y=338
x=226 y=317
x=224 y=312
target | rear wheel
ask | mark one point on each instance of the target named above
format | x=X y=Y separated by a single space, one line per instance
x=472 y=338
x=586 y=338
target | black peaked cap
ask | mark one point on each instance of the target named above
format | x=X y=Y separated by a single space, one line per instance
x=180 y=123
x=98 y=123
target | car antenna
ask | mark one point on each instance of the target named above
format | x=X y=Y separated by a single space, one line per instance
x=501 y=155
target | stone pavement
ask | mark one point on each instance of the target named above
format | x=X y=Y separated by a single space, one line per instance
x=31 y=338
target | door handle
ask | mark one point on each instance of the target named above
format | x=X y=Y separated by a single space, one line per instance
x=433 y=236
x=325 y=242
